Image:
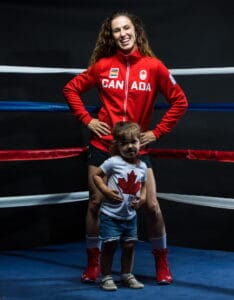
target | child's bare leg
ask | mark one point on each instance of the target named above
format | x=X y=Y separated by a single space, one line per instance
x=107 y=255
x=127 y=257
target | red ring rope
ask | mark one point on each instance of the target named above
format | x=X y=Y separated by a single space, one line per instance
x=48 y=154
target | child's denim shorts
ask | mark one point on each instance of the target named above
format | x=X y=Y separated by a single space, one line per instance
x=112 y=229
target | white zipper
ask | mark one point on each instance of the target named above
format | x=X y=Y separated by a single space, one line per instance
x=126 y=90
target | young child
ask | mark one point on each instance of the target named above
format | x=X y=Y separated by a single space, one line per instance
x=121 y=179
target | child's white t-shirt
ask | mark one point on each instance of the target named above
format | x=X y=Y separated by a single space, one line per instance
x=127 y=179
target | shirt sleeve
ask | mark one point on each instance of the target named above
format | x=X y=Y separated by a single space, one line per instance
x=145 y=172
x=72 y=92
x=175 y=97
x=107 y=166
x=143 y=167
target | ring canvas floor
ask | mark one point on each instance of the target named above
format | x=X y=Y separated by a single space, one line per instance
x=53 y=272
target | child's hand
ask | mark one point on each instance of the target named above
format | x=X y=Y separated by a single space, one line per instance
x=113 y=195
x=137 y=202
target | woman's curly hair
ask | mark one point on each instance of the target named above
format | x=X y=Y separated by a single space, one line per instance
x=105 y=45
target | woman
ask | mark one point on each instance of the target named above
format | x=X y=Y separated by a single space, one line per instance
x=128 y=77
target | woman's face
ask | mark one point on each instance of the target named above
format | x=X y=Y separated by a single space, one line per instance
x=123 y=33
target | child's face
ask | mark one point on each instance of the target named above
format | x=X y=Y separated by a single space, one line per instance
x=129 y=148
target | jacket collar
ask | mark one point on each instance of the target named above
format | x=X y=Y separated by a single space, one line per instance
x=132 y=57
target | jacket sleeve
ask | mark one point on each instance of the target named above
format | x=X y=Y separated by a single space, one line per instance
x=175 y=97
x=72 y=92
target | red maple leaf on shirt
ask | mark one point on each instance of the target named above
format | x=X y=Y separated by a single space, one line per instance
x=129 y=186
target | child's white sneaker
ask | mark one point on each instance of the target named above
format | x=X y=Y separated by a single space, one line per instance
x=108 y=284
x=132 y=282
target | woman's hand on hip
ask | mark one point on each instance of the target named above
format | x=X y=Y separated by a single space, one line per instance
x=147 y=137
x=98 y=127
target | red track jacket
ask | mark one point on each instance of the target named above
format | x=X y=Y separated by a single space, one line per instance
x=127 y=87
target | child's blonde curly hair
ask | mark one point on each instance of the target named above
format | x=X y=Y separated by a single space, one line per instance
x=123 y=132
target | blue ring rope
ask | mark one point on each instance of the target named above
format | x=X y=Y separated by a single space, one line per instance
x=60 y=107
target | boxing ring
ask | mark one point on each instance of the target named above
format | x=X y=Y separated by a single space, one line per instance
x=170 y=201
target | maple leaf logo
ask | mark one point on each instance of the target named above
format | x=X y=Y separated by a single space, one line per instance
x=129 y=186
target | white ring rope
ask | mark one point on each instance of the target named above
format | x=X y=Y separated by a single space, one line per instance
x=45 y=70
x=47 y=199
x=203 y=71
x=38 y=70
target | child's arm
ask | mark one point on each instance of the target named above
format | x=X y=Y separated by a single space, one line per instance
x=98 y=179
x=142 y=198
x=143 y=193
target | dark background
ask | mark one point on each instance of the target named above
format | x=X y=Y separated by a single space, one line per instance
x=184 y=34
